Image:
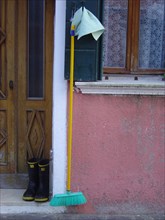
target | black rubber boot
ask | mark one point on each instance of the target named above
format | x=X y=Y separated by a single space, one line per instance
x=42 y=194
x=30 y=193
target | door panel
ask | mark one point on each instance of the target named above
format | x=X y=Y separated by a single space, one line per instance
x=7 y=94
x=35 y=121
x=25 y=122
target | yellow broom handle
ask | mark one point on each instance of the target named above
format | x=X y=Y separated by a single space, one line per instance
x=70 y=116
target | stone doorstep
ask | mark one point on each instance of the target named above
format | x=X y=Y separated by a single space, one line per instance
x=11 y=202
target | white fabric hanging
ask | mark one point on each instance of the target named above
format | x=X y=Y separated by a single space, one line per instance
x=86 y=23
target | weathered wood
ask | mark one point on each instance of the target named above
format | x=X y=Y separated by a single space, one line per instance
x=25 y=124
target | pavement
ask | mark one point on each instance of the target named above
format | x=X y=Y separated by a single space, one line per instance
x=12 y=207
x=76 y=217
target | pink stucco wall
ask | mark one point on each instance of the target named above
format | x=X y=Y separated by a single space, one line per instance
x=118 y=153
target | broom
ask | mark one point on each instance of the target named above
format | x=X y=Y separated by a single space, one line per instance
x=69 y=198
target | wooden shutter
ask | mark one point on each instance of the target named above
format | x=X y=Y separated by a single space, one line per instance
x=87 y=50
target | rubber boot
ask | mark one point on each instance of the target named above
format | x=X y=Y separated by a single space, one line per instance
x=30 y=193
x=42 y=194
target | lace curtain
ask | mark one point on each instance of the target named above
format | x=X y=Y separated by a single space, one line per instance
x=151 y=33
x=114 y=40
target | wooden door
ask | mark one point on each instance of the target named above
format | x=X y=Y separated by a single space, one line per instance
x=7 y=92
x=26 y=60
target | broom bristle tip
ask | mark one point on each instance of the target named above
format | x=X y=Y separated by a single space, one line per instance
x=68 y=199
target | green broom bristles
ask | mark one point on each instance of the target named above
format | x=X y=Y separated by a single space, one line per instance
x=68 y=199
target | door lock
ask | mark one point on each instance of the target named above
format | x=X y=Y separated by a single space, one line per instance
x=11 y=84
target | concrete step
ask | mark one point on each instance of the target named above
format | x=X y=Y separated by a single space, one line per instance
x=11 y=203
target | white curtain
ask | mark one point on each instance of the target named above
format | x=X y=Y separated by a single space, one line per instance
x=114 y=39
x=152 y=34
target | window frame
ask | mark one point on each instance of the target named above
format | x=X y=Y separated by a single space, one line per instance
x=132 y=49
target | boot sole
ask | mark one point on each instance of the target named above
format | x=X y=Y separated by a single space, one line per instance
x=28 y=198
x=41 y=200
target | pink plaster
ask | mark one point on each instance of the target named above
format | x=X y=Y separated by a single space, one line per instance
x=118 y=153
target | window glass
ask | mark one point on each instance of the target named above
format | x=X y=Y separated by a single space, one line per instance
x=36 y=49
x=114 y=39
x=152 y=34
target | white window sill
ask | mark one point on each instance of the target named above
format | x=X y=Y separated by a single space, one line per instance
x=125 y=85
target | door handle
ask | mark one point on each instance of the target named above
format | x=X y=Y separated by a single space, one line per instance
x=11 y=84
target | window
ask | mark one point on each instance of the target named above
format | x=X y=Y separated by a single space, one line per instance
x=36 y=10
x=134 y=38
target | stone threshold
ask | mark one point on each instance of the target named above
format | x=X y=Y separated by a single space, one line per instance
x=11 y=203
